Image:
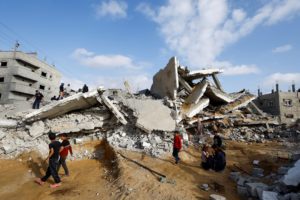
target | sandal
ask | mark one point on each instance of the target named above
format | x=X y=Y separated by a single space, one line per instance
x=55 y=185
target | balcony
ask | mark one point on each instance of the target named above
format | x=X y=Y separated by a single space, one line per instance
x=22 y=88
x=24 y=73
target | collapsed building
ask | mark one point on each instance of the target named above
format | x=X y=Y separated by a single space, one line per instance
x=179 y=99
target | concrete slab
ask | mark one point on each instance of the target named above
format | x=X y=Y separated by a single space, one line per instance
x=237 y=104
x=185 y=84
x=8 y=123
x=216 y=197
x=190 y=110
x=201 y=73
x=197 y=93
x=217 y=96
x=57 y=108
x=151 y=114
x=267 y=195
x=113 y=109
x=165 y=82
x=293 y=175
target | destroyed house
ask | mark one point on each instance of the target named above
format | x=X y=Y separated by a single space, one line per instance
x=21 y=74
x=285 y=105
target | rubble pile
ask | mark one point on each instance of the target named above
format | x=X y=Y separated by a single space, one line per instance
x=283 y=185
x=144 y=121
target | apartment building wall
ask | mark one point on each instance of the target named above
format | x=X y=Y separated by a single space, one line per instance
x=21 y=74
x=289 y=106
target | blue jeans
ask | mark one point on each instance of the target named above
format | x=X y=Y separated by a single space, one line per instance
x=175 y=155
x=36 y=104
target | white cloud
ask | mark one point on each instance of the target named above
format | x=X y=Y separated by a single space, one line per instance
x=200 y=30
x=282 y=78
x=282 y=49
x=90 y=59
x=113 y=8
x=231 y=70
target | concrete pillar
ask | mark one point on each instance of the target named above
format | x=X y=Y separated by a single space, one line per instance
x=217 y=82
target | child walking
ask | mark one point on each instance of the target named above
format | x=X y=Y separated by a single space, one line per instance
x=66 y=148
x=53 y=157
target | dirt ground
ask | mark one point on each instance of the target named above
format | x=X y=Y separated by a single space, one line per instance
x=114 y=177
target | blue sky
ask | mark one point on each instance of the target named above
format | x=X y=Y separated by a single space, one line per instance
x=105 y=42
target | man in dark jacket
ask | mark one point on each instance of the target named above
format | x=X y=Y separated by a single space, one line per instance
x=85 y=88
x=38 y=98
x=177 y=144
x=219 y=161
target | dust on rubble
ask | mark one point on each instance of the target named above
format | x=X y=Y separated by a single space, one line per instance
x=113 y=177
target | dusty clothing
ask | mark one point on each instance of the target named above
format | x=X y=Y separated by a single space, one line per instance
x=62 y=162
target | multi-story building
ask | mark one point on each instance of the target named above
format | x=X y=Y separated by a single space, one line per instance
x=21 y=74
x=285 y=105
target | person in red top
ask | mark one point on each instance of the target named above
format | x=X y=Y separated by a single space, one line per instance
x=177 y=144
x=66 y=147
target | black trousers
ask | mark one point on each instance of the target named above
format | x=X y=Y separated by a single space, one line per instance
x=52 y=171
x=175 y=154
x=36 y=104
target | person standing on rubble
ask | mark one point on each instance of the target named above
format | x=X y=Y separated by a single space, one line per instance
x=85 y=88
x=61 y=91
x=53 y=157
x=64 y=153
x=38 y=98
x=177 y=144
x=219 y=160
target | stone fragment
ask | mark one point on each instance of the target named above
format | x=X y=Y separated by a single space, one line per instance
x=197 y=92
x=242 y=191
x=267 y=195
x=113 y=109
x=193 y=109
x=37 y=129
x=235 y=176
x=257 y=172
x=292 y=177
x=216 y=197
x=252 y=188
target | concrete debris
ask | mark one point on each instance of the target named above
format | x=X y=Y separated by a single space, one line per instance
x=217 y=96
x=216 y=197
x=114 y=110
x=165 y=82
x=57 y=108
x=190 y=110
x=8 y=123
x=197 y=92
x=293 y=175
x=200 y=73
x=266 y=195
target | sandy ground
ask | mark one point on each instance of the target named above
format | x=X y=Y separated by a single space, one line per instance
x=111 y=178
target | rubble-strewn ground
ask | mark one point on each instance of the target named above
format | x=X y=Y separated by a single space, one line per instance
x=111 y=178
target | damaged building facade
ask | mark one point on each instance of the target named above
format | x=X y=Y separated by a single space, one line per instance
x=285 y=105
x=21 y=74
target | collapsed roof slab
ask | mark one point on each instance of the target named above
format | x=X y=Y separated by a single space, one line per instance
x=165 y=82
x=190 y=110
x=237 y=104
x=57 y=108
x=217 y=96
x=113 y=109
x=151 y=115
x=186 y=86
x=201 y=73
x=197 y=92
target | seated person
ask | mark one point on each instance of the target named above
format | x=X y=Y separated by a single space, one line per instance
x=206 y=158
x=219 y=160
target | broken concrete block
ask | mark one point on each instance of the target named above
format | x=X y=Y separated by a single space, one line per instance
x=242 y=191
x=237 y=104
x=37 y=129
x=216 y=197
x=200 y=74
x=293 y=175
x=57 y=108
x=257 y=172
x=151 y=114
x=186 y=86
x=193 y=109
x=217 y=96
x=197 y=93
x=113 y=109
x=267 y=195
x=235 y=176
x=282 y=170
x=8 y=123
x=146 y=144
x=252 y=188
x=2 y=134
x=165 y=82
x=8 y=148
x=255 y=162
x=217 y=82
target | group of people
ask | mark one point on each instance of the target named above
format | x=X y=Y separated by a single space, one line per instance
x=58 y=153
x=212 y=157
